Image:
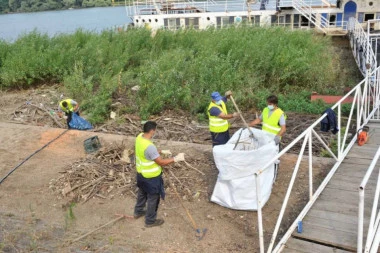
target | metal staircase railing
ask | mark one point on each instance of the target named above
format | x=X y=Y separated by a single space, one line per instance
x=361 y=46
x=306 y=10
x=365 y=107
x=373 y=236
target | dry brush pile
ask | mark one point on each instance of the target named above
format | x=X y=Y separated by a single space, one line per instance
x=111 y=172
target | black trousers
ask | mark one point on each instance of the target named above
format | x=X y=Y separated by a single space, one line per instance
x=69 y=116
x=152 y=201
x=220 y=138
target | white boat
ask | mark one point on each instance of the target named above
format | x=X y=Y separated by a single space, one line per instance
x=329 y=16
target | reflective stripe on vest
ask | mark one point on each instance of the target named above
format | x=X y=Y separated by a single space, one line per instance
x=69 y=108
x=270 y=123
x=216 y=124
x=146 y=168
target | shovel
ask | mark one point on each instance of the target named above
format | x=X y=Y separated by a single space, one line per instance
x=199 y=233
x=242 y=118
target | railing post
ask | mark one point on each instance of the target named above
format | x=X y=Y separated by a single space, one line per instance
x=259 y=214
x=286 y=199
x=360 y=220
x=339 y=135
x=310 y=165
x=358 y=109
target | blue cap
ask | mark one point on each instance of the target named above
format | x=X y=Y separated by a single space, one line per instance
x=216 y=96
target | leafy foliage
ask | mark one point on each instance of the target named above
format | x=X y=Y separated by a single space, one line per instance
x=44 y=5
x=177 y=70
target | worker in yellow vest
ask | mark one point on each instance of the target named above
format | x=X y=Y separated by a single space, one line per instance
x=273 y=119
x=218 y=118
x=149 y=179
x=68 y=106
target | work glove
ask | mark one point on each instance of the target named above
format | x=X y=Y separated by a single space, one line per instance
x=166 y=152
x=277 y=139
x=228 y=93
x=235 y=114
x=179 y=158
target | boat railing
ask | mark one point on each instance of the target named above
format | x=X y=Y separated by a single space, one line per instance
x=313 y=3
x=150 y=7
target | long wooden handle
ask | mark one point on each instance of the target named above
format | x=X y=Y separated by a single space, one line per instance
x=241 y=115
x=181 y=201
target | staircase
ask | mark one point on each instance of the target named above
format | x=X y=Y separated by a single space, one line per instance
x=362 y=46
x=306 y=10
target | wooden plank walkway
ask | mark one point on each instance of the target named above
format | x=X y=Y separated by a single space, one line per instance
x=331 y=225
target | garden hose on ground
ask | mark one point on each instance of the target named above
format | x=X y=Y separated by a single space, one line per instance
x=30 y=156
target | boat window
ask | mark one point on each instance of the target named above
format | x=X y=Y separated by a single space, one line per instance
x=370 y=3
x=369 y=16
x=225 y=21
x=304 y=21
x=296 y=21
x=172 y=23
x=332 y=19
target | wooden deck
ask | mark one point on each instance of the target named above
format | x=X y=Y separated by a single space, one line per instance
x=331 y=225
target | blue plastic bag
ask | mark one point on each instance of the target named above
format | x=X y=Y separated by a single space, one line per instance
x=79 y=123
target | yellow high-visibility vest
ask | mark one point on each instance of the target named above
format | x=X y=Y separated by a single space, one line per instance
x=270 y=123
x=145 y=167
x=69 y=108
x=216 y=124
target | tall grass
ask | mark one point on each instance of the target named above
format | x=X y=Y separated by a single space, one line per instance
x=176 y=70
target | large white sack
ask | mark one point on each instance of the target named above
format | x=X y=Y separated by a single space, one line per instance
x=236 y=185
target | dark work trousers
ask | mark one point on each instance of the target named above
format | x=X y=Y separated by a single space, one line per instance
x=69 y=115
x=220 y=138
x=153 y=200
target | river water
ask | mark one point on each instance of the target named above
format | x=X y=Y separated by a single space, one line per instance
x=64 y=21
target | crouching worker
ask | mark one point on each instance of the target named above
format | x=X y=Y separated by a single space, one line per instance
x=68 y=106
x=149 y=175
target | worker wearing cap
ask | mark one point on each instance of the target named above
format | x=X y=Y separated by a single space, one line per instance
x=273 y=119
x=68 y=106
x=149 y=175
x=218 y=118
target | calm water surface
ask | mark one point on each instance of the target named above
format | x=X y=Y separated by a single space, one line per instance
x=66 y=21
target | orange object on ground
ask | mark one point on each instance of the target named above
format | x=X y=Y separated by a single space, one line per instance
x=363 y=135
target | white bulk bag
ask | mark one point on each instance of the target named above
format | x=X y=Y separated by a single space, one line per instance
x=236 y=186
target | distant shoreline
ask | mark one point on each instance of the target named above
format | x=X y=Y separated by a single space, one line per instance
x=117 y=4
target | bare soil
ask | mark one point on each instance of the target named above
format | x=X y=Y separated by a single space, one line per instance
x=35 y=217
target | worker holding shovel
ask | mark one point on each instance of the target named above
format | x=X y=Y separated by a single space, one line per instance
x=218 y=118
x=149 y=175
x=273 y=119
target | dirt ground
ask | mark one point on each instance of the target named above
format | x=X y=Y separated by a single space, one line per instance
x=34 y=218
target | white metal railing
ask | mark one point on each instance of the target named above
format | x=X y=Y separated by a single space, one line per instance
x=373 y=236
x=149 y=7
x=361 y=46
x=306 y=10
x=314 y=3
x=365 y=104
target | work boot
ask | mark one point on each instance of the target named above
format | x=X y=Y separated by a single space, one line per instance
x=136 y=216
x=157 y=222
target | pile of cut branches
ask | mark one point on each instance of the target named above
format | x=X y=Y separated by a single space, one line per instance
x=111 y=171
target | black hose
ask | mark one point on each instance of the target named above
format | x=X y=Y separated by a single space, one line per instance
x=26 y=159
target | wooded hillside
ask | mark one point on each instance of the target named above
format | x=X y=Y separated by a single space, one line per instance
x=11 y=6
